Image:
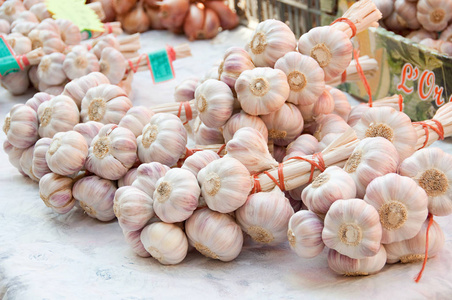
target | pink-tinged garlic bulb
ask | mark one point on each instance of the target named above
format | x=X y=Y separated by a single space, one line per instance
x=446 y=35
x=331 y=185
x=129 y=178
x=67 y=153
x=305 y=143
x=147 y=176
x=53 y=90
x=112 y=64
x=328 y=124
x=225 y=178
x=132 y=207
x=48 y=24
x=48 y=40
x=88 y=130
x=284 y=125
x=305 y=234
x=401 y=204
x=323 y=106
x=105 y=103
x=413 y=250
x=176 y=195
x=14 y=155
x=241 y=120
x=37 y=99
x=39 y=164
x=167 y=243
x=386 y=7
x=133 y=240
x=434 y=15
x=250 y=148
x=271 y=40
x=327 y=140
x=57 y=115
x=356 y=113
x=406 y=12
x=205 y=135
x=153 y=142
x=265 y=216
x=199 y=160
x=26 y=163
x=76 y=89
x=342 y=107
x=344 y=265
x=40 y=11
x=16 y=83
x=185 y=91
x=279 y=152
x=235 y=61
x=33 y=76
x=29 y=3
x=215 y=102
x=372 y=158
x=50 y=69
x=80 y=62
x=21 y=126
x=20 y=44
x=95 y=196
x=305 y=77
x=214 y=235
x=56 y=192
x=421 y=34
x=10 y=10
x=136 y=118
x=112 y=152
x=22 y=26
x=104 y=42
x=69 y=32
x=431 y=169
x=261 y=91
x=352 y=228
x=5 y=27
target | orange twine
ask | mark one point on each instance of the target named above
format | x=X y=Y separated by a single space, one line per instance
x=108 y=28
x=400 y=102
x=257 y=185
x=344 y=77
x=221 y=149
x=439 y=131
x=135 y=68
x=362 y=76
x=171 y=53
x=349 y=22
x=188 y=111
x=430 y=223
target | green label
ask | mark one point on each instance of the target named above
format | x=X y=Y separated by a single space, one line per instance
x=161 y=67
x=8 y=63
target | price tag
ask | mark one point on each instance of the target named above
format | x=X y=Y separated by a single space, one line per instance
x=161 y=66
x=8 y=63
x=77 y=12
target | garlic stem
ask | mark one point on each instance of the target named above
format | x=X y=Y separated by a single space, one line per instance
x=444 y=116
x=173 y=108
x=369 y=66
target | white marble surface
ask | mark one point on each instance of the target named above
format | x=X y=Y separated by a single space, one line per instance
x=48 y=256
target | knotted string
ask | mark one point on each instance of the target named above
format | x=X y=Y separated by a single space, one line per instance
x=188 y=111
x=439 y=130
x=362 y=76
x=349 y=22
x=430 y=223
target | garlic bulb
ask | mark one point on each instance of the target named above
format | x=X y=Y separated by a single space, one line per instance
x=105 y=103
x=5 y=27
x=104 y=42
x=57 y=115
x=328 y=124
x=235 y=61
x=215 y=102
x=305 y=143
x=401 y=203
x=327 y=140
x=153 y=142
x=56 y=192
x=10 y=10
x=406 y=12
x=48 y=24
x=20 y=44
x=95 y=195
x=88 y=130
x=214 y=235
x=136 y=118
x=284 y=125
x=48 y=40
x=413 y=250
x=53 y=90
x=69 y=32
x=40 y=11
x=50 y=69
x=148 y=175
x=305 y=234
x=199 y=160
x=37 y=99
x=279 y=152
x=342 y=107
x=185 y=91
x=67 y=153
x=133 y=240
x=344 y=265
x=371 y=158
x=80 y=62
x=112 y=152
x=421 y=34
x=165 y=242
x=250 y=148
x=16 y=83
x=132 y=207
x=29 y=3
x=14 y=155
x=352 y=228
x=434 y=15
x=446 y=35
x=265 y=216
x=39 y=164
x=112 y=64
x=261 y=91
x=21 y=126
x=33 y=76
x=323 y=106
x=385 y=6
x=305 y=77
x=241 y=120
x=205 y=135
x=26 y=163
x=331 y=185
x=76 y=89
x=430 y=168
x=271 y=40
x=225 y=178
x=394 y=126
x=129 y=178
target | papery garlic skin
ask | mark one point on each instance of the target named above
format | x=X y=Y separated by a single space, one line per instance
x=95 y=195
x=413 y=250
x=305 y=234
x=88 y=130
x=50 y=69
x=20 y=44
x=57 y=115
x=56 y=192
x=235 y=61
x=133 y=240
x=14 y=155
x=153 y=142
x=165 y=242
x=352 y=228
x=185 y=91
x=80 y=62
x=199 y=160
x=40 y=11
x=21 y=126
x=241 y=120
x=434 y=15
x=136 y=118
x=176 y=195
x=112 y=64
x=205 y=135
x=49 y=41
x=342 y=107
x=270 y=40
x=112 y=152
x=344 y=265
x=265 y=216
x=67 y=153
x=214 y=235
x=10 y=10
x=328 y=124
x=26 y=163
x=132 y=207
x=401 y=203
x=39 y=163
x=37 y=99
x=431 y=169
x=77 y=89
x=284 y=125
x=147 y=176
x=69 y=32
x=129 y=178
x=305 y=143
x=16 y=83
x=225 y=178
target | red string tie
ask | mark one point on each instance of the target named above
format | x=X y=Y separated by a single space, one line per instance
x=349 y=22
x=362 y=76
x=221 y=149
x=344 y=77
x=430 y=223
x=188 y=111
x=257 y=185
x=400 y=102
x=439 y=130
x=171 y=53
